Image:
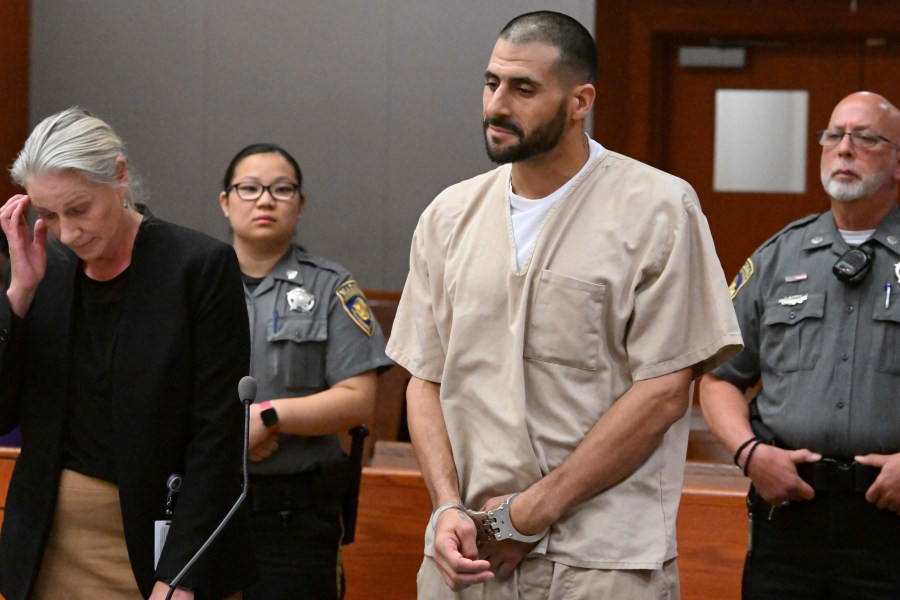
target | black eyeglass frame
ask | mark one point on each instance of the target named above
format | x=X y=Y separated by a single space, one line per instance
x=263 y=189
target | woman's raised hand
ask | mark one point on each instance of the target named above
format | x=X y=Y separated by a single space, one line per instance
x=27 y=253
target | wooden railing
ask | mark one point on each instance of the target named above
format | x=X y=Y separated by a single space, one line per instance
x=394 y=509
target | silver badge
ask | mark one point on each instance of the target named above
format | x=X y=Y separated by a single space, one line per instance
x=891 y=240
x=793 y=300
x=816 y=240
x=897 y=271
x=292 y=274
x=300 y=300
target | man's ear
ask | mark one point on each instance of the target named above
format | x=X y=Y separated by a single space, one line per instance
x=583 y=97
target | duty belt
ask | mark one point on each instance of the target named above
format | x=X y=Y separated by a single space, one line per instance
x=280 y=492
x=833 y=475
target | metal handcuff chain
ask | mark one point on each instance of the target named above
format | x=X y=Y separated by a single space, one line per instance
x=497 y=525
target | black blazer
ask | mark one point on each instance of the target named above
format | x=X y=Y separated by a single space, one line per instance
x=181 y=348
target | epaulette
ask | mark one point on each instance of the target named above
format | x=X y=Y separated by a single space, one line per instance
x=302 y=255
x=789 y=227
x=748 y=269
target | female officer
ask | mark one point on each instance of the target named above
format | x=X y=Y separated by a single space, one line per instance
x=316 y=349
x=119 y=361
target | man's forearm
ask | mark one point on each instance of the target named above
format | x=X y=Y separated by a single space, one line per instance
x=428 y=432
x=613 y=449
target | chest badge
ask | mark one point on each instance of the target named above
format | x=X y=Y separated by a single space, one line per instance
x=300 y=300
x=793 y=300
x=897 y=271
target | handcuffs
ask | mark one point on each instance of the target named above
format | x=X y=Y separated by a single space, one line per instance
x=493 y=524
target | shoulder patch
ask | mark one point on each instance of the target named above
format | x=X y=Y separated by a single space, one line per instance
x=741 y=278
x=354 y=302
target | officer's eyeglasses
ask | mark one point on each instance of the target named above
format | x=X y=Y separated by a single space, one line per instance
x=832 y=137
x=251 y=192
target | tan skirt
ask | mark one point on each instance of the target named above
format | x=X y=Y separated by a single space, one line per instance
x=86 y=555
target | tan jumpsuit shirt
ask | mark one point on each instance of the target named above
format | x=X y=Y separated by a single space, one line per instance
x=623 y=285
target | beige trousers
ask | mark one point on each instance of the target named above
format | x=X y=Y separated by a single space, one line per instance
x=542 y=579
x=86 y=557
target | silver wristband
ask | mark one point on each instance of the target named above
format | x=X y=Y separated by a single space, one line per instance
x=441 y=509
x=497 y=525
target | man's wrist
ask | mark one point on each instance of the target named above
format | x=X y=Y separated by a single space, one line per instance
x=497 y=524
x=444 y=508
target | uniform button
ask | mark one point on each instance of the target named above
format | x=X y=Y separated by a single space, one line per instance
x=845 y=356
x=840 y=405
x=849 y=309
x=792 y=315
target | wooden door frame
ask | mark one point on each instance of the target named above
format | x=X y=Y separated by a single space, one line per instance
x=633 y=33
x=14 y=85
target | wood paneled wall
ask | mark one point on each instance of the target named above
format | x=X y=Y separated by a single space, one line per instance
x=14 y=55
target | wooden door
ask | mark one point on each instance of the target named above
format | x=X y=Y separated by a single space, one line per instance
x=683 y=134
x=653 y=110
x=827 y=69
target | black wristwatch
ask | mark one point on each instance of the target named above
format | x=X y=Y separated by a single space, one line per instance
x=269 y=416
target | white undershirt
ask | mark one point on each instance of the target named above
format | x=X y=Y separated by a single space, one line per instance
x=528 y=215
x=855 y=238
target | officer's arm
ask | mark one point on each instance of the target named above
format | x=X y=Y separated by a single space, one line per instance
x=772 y=470
x=725 y=410
x=618 y=443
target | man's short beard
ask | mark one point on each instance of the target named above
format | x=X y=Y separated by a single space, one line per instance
x=543 y=139
x=849 y=191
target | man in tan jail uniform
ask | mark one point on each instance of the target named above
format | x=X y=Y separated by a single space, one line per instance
x=556 y=311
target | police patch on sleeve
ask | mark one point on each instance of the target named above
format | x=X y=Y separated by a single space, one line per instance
x=741 y=278
x=354 y=302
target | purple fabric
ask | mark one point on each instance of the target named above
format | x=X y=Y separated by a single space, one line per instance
x=13 y=438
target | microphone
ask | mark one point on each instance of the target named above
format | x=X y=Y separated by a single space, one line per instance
x=247 y=394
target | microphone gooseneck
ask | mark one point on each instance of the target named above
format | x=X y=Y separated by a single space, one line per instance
x=247 y=394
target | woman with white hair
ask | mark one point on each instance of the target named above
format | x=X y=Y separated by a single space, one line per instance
x=120 y=354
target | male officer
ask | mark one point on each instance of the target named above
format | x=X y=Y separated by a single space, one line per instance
x=819 y=308
x=556 y=310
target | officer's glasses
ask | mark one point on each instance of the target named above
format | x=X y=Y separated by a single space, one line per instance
x=251 y=192
x=832 y=137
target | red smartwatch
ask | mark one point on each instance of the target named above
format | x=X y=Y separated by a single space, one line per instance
x=269 y=416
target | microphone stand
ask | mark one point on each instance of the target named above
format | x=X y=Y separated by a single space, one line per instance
x=231 y=513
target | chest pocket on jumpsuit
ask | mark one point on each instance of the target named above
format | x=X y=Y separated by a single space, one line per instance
x=792 y=335
x=565 y=322
x=297 y=356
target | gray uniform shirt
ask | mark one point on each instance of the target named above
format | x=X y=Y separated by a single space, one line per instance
x=828 y=352
x=310 y=328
